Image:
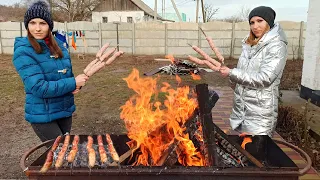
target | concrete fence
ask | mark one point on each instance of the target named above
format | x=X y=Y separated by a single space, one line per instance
x=157 y=38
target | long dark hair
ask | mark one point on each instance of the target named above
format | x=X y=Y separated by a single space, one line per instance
x=53 y=45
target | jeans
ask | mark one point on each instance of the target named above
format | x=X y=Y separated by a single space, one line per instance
x=51 y=130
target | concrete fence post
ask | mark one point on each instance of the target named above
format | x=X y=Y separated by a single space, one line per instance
x=20 y=29
x=300 y=40
x=1 y=51
x=100 y=35
x=232 y=40
x=199 y=35
x=166 y=39
x=133 y=38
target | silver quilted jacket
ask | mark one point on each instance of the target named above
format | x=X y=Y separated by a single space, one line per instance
x=257 y=78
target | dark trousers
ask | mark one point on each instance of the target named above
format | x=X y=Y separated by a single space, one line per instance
x=51 y=130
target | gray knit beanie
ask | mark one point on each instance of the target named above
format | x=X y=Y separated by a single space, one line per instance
x=267 y=13
x=39 y=9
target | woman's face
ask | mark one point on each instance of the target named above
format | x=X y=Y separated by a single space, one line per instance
x=258 y=26
x=38 y=28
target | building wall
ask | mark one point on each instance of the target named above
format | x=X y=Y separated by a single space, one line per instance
x=119 y=16
x=117 y=5
x=311 y=65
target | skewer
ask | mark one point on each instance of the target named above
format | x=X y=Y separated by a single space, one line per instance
x=215 y=50
x=203 y=32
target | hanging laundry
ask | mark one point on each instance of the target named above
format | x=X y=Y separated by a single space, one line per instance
x=62 y=37
x=75 y=37
x=77 y=33
x=80 y=33
x=73 y=42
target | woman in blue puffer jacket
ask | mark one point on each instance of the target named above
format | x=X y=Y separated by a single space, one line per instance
x=45 y=68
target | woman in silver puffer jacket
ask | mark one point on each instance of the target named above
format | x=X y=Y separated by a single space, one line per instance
x=258 y=74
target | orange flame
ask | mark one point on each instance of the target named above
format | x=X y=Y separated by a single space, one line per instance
x=195 y=76
x=245 y=141
x=152 y=125
x=170 y=56
x=178 y=79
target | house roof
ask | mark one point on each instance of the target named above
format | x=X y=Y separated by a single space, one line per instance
x=147 y=9
x=142 y=6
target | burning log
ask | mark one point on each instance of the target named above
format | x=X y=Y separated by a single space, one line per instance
x=228 y=159
x=206 y=123
x=169 y=157
x=234 y=148
x=123 y=157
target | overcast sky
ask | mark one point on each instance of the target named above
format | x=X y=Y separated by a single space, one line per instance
x=291 y=10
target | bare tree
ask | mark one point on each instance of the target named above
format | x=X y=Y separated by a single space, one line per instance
x=77 y=10
x=210 y=11
x=244 y=13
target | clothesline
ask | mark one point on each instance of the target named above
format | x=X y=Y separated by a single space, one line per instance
x=62 y=36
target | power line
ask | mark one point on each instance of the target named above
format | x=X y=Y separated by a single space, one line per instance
x=184 y=2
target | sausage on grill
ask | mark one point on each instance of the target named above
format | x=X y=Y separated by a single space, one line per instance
x=62 y=152
x=49 y=158
x=102 y=151
x=111 y=148
x=91 y=153
x=74 y=149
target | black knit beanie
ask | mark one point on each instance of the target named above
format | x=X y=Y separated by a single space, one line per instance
x=267 y=13
x=39 y=9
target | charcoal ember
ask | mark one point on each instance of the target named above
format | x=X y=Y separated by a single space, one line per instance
x=81 y=159
x=230 y=150
x=227 y=159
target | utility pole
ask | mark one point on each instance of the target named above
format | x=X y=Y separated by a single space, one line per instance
x=197 y=12
x=176 y=9
x=162 y=9
x=155 y=10
x=203 y=11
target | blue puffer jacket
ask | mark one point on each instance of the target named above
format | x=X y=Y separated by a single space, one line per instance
x=48 y=82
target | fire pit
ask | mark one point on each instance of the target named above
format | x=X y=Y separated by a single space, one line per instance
x=279 y=166
x=193 y=148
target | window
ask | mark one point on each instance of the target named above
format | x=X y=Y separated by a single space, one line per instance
x=129 y=19
x=105 y=19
